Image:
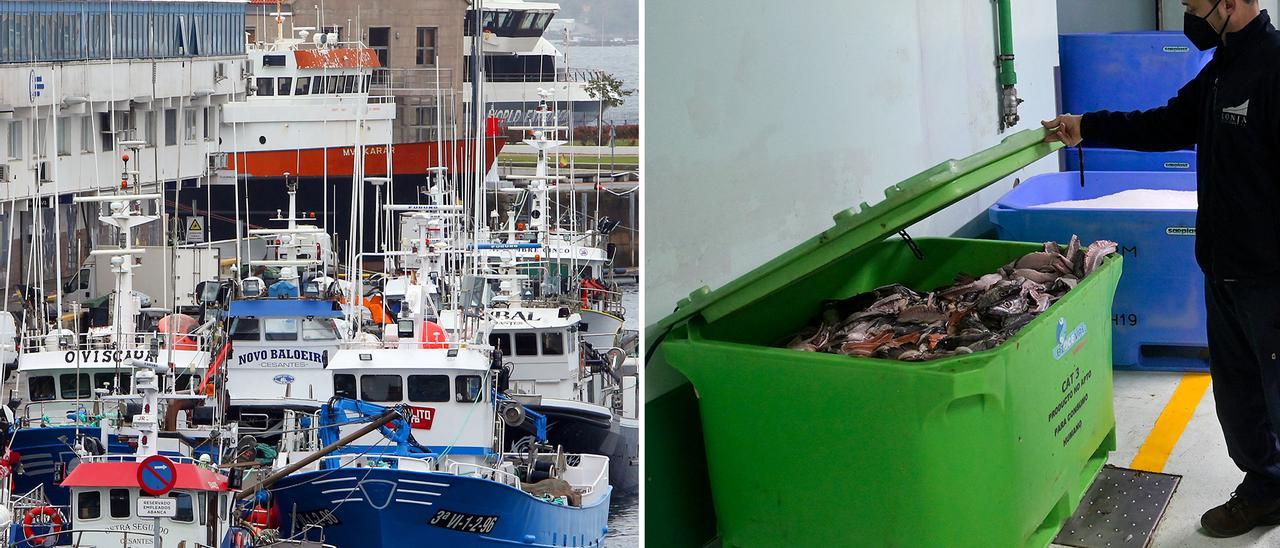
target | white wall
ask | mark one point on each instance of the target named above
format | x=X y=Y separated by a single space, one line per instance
x=763 y=121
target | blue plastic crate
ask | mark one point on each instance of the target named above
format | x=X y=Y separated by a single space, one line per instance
x=1115 y=159
x=1158 y=316
x=1125 y=70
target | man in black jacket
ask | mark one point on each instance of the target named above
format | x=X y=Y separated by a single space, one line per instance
x=1231 y=112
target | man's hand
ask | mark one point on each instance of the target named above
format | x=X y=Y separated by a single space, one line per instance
x=1065 y=128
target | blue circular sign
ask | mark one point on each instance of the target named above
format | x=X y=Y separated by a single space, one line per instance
x=157 y=475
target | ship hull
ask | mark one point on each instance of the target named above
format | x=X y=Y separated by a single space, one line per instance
x=383 y=507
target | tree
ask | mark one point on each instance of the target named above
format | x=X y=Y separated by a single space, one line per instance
x=608 y=89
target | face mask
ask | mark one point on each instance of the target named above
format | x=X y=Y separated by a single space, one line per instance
x=1199 y=31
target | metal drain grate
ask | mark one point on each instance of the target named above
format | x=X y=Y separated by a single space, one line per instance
x=1121 y=509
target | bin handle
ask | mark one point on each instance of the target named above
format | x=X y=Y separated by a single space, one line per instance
x=987 y=381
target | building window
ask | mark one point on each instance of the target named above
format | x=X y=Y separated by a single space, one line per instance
x=146 y=129
x=266 y=87
x=170 y=127
x=104 y=129
x=39 y=138
x=189 y=126
x=381 y=388
x=86 y=134
x=64 y=136
x=285 y=85
x=89 y=505
x=303 y=87
x=208 y=123
x=427 y=46
x=15 y=140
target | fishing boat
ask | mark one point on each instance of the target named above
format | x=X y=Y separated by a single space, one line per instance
x=61 y=394
x=138 y=497
x=283 y=326
x=321 y=111
x=557 y=321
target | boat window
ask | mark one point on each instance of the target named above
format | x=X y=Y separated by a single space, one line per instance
x=89 y=505
x=502 y=342
x=350 y=85
x=428 y=388
x=344 y=386
x=553 y=343
x=317 y=84
x=467 y=388
x=281 y=329
x=70 y=386
x=285 y=85
x=186 y=512
x=42 y=388
x=528 y=21
x=120 y=503
x=335 y=85
x=303 y=87
x=108 y=381
x=204 y=506
x=266 y=87
x=368 y=81
x=319 y=329
x=244 y=329
x=504 y=18
x=381 y=388
x=526 y=344
x=543 y=20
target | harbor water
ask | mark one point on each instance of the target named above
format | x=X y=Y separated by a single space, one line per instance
x=624 y=511
x=623 y=62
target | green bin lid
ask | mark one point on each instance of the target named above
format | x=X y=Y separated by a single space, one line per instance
x=905 y=204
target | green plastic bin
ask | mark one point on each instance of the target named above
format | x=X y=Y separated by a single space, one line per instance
x=805 y=449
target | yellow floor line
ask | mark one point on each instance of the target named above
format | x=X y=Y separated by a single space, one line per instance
x=1173 y=420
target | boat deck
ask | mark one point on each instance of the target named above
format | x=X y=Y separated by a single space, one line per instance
x=1167 y=422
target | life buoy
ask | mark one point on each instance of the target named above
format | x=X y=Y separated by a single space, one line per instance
x=54 y=522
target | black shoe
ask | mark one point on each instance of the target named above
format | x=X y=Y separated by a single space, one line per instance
x=1239 y=516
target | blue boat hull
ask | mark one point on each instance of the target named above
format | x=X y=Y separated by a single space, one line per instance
x=42 y=452
x=383 y=507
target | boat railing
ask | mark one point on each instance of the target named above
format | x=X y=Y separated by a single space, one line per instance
x=413 y=81
x=419 y=463
x=409 y=344
x=478 y=470
x=134 y=458
x=596 y=483
x=78 y=535
x=137 y=341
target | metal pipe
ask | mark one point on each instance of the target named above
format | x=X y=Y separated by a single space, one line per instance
x=1005 y=73
x=387 y=416
x=1005 y=58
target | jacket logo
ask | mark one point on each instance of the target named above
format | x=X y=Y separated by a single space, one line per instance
x=1237 y=115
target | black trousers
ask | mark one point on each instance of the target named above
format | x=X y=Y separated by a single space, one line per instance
x=1244 y=344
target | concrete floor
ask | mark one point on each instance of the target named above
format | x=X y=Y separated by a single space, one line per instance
x=1199 y=456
